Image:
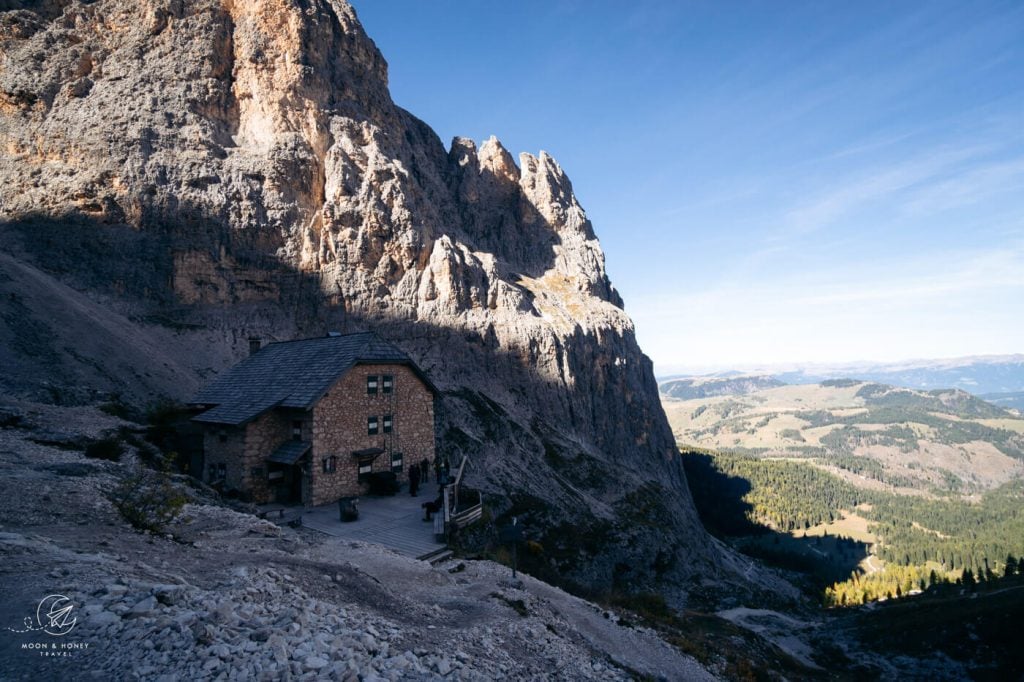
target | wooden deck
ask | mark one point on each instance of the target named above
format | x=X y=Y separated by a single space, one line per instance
x=394 y=522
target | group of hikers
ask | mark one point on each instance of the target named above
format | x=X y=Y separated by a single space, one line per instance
x=420 y=473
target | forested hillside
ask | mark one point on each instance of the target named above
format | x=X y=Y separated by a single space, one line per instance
x=905 y=542
x=699 y=387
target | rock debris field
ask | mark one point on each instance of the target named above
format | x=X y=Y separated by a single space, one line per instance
x=224 y=595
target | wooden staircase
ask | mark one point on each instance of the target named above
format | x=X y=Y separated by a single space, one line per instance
x=437 y=556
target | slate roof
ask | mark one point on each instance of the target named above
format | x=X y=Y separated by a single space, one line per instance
x=290 y=452
x=292 y=374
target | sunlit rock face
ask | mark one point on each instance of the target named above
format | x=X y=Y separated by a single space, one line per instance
x=208 y=171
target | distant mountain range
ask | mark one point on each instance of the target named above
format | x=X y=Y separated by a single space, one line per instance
x=998 y=379
x=870 y=433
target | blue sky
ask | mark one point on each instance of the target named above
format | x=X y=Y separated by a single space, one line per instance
x=771 y=182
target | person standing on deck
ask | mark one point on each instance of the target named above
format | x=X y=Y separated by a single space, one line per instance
x=424 y=471
x=414 y=480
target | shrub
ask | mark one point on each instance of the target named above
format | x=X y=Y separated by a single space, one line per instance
x=115 y=407
x=109 y=449
x=517 y=605
x=147 y=499
x=164 y=419
x=649 y=605
x=792 y=434
x=503 y=556
x=10 y=419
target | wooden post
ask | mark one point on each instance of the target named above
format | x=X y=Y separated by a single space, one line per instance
x=447 y=513
x=438 y=525
x=515 y=548
x=458 y=482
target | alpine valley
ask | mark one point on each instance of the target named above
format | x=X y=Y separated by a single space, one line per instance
x=182 y=181
x=873 y=493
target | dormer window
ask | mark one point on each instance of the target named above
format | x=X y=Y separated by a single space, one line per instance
x=371 y=385
x=387 y=383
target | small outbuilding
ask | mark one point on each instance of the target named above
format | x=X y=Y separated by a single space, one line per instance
x=313 y=420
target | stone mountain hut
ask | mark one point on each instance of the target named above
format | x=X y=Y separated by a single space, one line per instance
x=310 y=420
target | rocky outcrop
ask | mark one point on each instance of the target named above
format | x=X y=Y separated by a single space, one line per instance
x=219 y=169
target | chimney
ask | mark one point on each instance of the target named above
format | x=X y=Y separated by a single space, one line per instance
x=254 y=344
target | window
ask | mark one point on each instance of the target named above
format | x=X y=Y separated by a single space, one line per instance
x=387 y=383
x=297 y=430
x=222 y=436
x=396 y=461
x=218 y=472
x=256 y=472
x=372 y=426
x=388 y=424
x=330 y=464
x=371 y=385
x=365 y=467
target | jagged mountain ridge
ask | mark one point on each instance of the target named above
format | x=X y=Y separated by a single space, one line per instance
x=209 y=171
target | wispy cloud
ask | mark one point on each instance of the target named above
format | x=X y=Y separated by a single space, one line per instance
x=883 y=183
x=932 y=277
x=873 y=144
x=938 y=307
x=968 y=187
x=996 y=269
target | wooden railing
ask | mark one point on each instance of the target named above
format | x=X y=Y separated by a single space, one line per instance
x=469 y=514
x=458 y=514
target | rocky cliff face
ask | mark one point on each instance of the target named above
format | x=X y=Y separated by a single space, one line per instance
x=211 y=170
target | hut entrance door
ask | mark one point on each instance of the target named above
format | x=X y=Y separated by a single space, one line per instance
x=288 y=483
x=295 y=484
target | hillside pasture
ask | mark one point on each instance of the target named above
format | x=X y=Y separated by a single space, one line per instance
x=850 y=525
